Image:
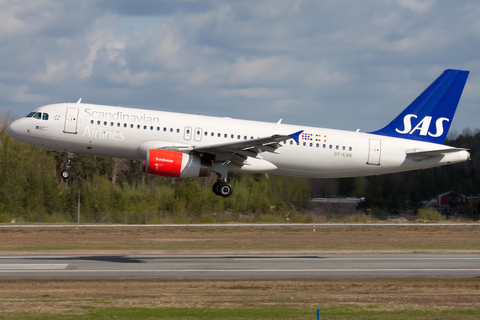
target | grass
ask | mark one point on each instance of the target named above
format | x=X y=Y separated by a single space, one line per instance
x=342 y=312
x=342 y=298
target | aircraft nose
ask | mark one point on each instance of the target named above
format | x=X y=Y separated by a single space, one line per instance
x=15 y=128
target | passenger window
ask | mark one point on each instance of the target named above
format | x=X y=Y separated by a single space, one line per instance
x=225 y=135
x=45 y=116
x=337 y=147
x=350 y=149
x=124 y=125
x=171 y=129
x=311 y=144
x=232 y=136
x=105 y=123
x=131 y=125
x=98 y=122
x=111 y=124
x=291 y=142
x=330 y=146
x=324 y=146
x=118 y=124
x=304 y=144
x=219 y=135
x=91 y=121
x=178 y=130
x=138 y=126
x=245 y=138
x=164 y=129
x=318 y=145
x=343 y=148
x=151 y=127
x=158 y=128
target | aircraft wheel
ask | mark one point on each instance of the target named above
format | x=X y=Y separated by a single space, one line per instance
x=65 y=174
x=216 y=188
x=225 y=190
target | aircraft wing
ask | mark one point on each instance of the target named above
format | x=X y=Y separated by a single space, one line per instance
x=238 y=152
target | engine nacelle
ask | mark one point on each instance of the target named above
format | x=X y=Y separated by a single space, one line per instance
x=175 y=164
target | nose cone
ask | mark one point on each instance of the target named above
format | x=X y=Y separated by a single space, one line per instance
x=16 y=129
x=12 y=128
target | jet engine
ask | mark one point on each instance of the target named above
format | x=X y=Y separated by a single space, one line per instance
x=175 y=164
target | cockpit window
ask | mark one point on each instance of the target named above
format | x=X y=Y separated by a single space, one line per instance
x=37 y=115
x=31 y=114
x=45 y=116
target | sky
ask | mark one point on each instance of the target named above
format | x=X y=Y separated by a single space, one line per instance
x=343 y=64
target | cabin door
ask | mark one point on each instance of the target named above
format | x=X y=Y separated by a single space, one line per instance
x=374 y=152
x=71 y=120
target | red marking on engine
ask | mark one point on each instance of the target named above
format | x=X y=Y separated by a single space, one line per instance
x=165 y=163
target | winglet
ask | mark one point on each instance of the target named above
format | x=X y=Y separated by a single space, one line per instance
x=79 y=100
x=295 y=136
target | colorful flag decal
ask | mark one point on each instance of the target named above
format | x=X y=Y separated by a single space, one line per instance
x=314 y=137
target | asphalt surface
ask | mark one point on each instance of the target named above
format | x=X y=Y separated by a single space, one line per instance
x=240 y=266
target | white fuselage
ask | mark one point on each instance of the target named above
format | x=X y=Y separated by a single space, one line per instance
x=126 y=133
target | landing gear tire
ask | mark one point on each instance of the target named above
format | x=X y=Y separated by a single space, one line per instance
x=65 y=174
x=225 y=190
x=222 y=189
x=216 y=187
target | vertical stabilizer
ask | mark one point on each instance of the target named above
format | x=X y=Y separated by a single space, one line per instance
x=430 y=115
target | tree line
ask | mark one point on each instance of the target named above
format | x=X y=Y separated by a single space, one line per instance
x=116 y=191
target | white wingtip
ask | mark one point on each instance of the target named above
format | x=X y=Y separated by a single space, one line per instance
x=79 y=100
x=279 y=121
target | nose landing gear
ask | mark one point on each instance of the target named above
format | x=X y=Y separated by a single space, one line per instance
x=68 y=166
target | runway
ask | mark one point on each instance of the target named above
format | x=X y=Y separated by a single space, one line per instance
x=240 y=266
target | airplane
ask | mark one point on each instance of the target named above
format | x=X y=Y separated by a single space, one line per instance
x=188 y=146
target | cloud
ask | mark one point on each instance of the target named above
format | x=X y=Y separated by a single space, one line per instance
x=310 y=62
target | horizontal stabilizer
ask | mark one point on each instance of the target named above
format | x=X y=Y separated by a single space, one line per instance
x=432 y=153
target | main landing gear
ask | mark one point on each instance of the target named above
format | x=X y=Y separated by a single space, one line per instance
x=68 y=166
x=222 y=188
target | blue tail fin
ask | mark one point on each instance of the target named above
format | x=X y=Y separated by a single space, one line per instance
x=429 y=117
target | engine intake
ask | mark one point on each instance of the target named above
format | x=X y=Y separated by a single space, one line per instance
x=175 y=164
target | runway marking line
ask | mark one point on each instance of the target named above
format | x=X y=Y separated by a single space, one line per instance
x=240 y=270
x=28 y=267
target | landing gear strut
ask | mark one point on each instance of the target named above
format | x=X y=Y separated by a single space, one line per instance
x=221 y=187
x=68 y=166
